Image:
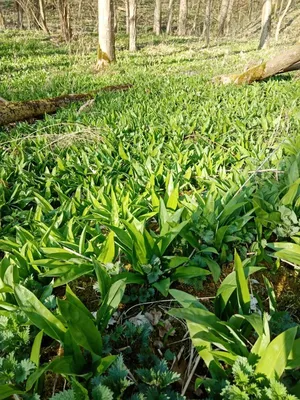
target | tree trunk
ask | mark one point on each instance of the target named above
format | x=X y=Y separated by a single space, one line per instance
x=106 y=48
x=11 y=111
x=229 y=15
x=20 y=13
x=2 y=21
x=194 y=29
x=286 y=61
x=43 y=17
x=266 y=20
x=132 y=25
x=206 y=28
x=170 y=16
x=157 y=18
x=223 y=16
x=281 y=19
x=183 y=12
x=127 y=16
x=64 y=16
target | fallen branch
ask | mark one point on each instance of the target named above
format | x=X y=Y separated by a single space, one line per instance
x=286 y=61
x=11 y=111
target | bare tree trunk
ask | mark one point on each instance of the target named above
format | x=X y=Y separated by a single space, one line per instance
x=64 y=16
x=223 y=16
x=281 y=19
x=115 y=18
x=2 y=21
x=170 y=16
x=42 y=18
x=157 y=18
x=20 y=13
x=106 y=48
x=266 y=20
x=183 y=12
x=229 y=15
x=194 y=28
x=132 y=25
x=127 y=16
x=250 y=9
x=206 y=29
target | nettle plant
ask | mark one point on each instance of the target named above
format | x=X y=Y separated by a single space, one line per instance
x=240 y=333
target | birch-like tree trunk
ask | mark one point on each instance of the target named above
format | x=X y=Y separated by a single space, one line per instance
x=20 y=14
x=266 y=21
x=127 y=15
x=281 y=19
x=157 y=18
x=195 y=24
x=170 y=17
x=106 y=48
x=42 y=18
x=183 y=12
x=229 y=15
x=132 y=25
x=223 y=17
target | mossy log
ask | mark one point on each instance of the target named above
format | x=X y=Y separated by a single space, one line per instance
x=285 y=61
x=11 y=111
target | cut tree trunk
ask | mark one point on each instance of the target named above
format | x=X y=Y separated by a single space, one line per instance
x=286 y=61
x=14 y=111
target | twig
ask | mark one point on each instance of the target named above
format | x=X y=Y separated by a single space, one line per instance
x=190 y=376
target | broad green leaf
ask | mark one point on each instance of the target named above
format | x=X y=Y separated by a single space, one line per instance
x=242 y=285
x=6 y=391
x=82 y=328
x=274 y=360
x=38 y=314
x=189 y=272
x=107 y=252
x=163 y=286
x=36 y=349
x=68 y=273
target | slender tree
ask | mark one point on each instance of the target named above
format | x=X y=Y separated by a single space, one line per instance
x=132 y=25
x=223 y=17
x=42 y=17
x=206 y=28
x=2 y=20
x=183 y=13
x=157 y=18
x=64 y=16
x=170 y=17
x=20 y=13
x=106 y=47
x=288 y=5
x=127 y=15
x=266 y=21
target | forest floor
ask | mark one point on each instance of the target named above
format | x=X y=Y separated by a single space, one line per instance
x=207 y=169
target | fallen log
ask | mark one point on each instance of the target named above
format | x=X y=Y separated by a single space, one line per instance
x=14 y=111
x=286 y=61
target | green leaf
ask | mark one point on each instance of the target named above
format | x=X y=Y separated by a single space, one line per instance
x=163 y=286
x=274 y=360
x=287 y=251
x=189 y=272
x=242 y=285
x=38 y=314
x=43 y=202
x=81 y=327
x=67 y=273
x=107 y=253
x=36 y=349
x=294 y=356
x=6 y=391
x=214 y=268
x=105 y=363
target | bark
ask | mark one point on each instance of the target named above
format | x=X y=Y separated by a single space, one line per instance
x=127 y=16
x=170 y=17
x=64 y=16
x=266 y=20
x=20 y=13
x=106 y=48
x=183 y=12
x=42 y=16
x=196 y=17
x=285 y=61
x=157 y=18
x=11 y=111
x=281 y=19
x=229 y=15
x=2 y=21
x=132 y=25
x=223 y=17
x=206 y=28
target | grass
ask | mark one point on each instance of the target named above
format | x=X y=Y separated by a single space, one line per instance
x=225 y=157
